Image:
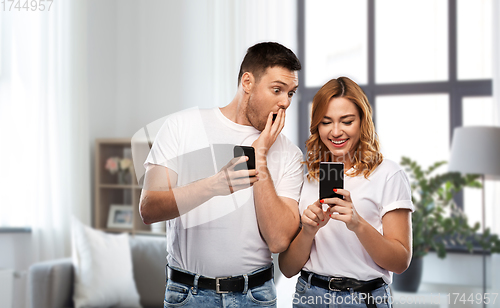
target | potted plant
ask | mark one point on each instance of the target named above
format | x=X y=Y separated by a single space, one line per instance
x=437 y=222
x=119 y=165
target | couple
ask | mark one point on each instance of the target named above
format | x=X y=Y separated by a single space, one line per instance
x=223 y=223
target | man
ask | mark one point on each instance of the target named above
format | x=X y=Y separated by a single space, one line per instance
x=223 y=222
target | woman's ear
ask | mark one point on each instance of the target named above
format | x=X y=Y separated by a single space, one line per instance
x=247 y=82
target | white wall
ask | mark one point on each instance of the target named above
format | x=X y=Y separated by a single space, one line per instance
x=134 y=67
x=101 y=44
x=150 y=59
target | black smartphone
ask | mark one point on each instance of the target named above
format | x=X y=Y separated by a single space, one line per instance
x=331 y=175
x=241 y=150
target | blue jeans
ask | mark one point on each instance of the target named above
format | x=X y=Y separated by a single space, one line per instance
x=181 y=295
x=307 y=295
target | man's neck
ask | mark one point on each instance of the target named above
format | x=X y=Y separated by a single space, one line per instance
x=235 y=111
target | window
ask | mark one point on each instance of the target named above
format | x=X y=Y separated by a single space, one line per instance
x=424 y=65
x=323 y=51
x=474 y=39
x=406 y=48
x=424 y=122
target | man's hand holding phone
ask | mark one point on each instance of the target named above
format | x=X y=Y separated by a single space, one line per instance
x=249 y=152
x=229 y=179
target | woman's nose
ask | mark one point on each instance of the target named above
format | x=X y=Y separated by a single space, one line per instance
x=336 y=131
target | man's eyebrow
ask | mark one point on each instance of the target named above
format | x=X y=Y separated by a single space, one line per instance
x=284 y=84
x=280 y=82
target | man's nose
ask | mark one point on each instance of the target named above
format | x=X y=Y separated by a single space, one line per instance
x=285 y=103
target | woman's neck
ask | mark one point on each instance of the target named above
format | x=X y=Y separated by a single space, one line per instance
x=346 y=159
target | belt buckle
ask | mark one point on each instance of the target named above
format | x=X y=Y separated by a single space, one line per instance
x=330 y=283
x=217 y=285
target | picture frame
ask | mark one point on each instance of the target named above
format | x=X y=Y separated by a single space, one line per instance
x=120 y=216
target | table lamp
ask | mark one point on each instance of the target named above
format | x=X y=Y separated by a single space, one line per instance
x=476 y=150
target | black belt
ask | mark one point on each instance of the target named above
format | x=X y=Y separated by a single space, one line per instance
x=347 y=284
x=221 y=284
x=344 y=283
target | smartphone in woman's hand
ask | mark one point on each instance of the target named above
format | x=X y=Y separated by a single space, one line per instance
x=331 y=176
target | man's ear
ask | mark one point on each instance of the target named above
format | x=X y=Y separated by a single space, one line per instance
x=247 y=82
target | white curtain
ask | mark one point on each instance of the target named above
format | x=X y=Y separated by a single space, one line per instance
x=44 y=125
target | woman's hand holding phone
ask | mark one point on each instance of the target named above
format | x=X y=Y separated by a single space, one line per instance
x=315 y=218
x=344 y=210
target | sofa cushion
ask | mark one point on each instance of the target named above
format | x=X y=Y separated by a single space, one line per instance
x=149 y=260
x=103 y=269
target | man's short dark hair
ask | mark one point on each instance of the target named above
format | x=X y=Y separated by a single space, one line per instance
x=268 y=54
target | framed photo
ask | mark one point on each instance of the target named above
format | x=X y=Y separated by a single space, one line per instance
x=121 y=216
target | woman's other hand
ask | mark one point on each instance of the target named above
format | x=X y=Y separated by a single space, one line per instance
x=344 y=210
x=315 y=218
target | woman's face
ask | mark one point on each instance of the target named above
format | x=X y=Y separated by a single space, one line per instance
x=340 y=129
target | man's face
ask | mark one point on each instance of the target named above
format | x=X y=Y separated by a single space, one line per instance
x=272 y=92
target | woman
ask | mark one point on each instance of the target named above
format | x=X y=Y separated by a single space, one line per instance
x=347 y=248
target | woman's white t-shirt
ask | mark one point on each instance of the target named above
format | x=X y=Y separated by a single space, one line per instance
x=336 y=251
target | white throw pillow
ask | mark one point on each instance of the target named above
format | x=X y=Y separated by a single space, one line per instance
x=103 y=269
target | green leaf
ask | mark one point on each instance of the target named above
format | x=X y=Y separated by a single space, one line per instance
x=437 y=215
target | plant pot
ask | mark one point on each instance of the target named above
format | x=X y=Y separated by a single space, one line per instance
x=409 y=280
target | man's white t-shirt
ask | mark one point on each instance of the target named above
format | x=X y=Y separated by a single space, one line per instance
x=336 y=251
x=221 y=236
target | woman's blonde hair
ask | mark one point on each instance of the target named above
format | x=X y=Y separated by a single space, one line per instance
x=367 y=155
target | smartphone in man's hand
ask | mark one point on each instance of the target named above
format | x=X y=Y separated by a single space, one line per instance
x=331 y=175
x=240 y=150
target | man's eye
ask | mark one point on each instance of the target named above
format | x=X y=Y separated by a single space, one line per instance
x=276 y=90
x=291 y=93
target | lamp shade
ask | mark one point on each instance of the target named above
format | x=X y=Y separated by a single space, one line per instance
x=476 y=150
